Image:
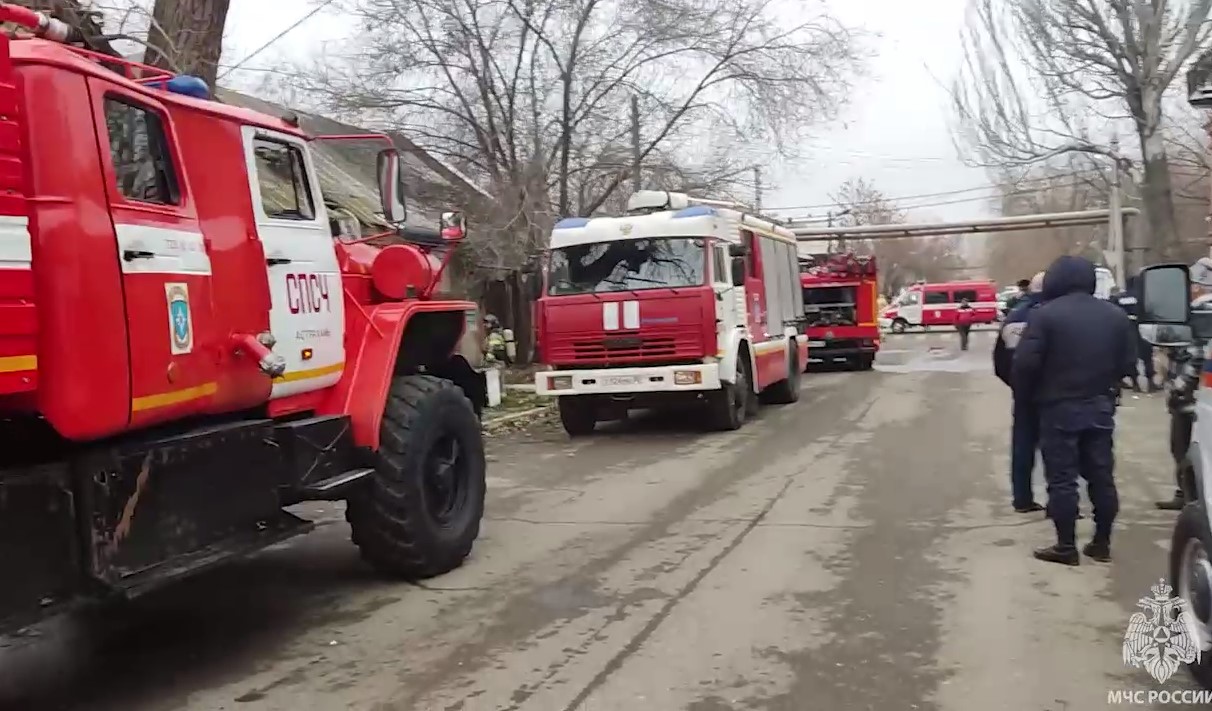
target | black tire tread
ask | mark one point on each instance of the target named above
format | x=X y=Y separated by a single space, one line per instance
x=786 y=391
x=386 y=515
x=1192 y=522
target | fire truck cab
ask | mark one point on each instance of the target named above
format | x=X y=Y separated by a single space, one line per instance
x=681 y=300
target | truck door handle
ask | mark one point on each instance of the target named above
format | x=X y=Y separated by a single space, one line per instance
x=276 y=261
x=131 y=255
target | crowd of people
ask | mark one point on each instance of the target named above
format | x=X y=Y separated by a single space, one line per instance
x=1066 y=354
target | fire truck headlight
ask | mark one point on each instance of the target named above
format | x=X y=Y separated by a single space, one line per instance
x=559 y=382
x=687 y=377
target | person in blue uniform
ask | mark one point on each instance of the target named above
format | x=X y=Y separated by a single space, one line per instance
x=1024 y=432
x=1128 y=300
x=1074 y=352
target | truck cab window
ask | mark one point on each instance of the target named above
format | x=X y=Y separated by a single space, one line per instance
x=282 y=176
x=936 y=297
x=720 y=264
x=138 y=146
x=627 y=265
x=969 y=294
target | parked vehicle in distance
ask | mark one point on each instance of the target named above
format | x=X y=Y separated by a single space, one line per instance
x=926 y=305
x=678 y=301
x=840 y=302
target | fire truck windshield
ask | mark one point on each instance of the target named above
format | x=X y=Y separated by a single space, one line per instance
x=627 y=265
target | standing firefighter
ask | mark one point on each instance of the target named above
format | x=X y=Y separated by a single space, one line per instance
x=964 y=316
x=1075 y=350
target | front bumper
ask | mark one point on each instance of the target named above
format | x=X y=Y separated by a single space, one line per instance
x=620 y=381
x=840 y=348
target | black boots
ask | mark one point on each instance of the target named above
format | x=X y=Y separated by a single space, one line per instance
x=1098 y=551
x=1175 y=504
x=1029 y=508
x=1057 y=554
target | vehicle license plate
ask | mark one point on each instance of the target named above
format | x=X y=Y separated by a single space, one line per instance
x=617 y=380
x=816 y=344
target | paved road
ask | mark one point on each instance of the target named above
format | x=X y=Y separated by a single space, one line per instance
x=852 y=551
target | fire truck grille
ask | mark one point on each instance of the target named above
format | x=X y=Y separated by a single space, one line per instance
x=627 y=348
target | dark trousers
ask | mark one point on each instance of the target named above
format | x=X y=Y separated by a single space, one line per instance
x=1180 y=440
x=1144 y=351
x=1024 y=441
x=1077 y=441
x=963 y=332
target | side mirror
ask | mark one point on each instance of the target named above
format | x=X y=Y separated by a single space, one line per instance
x=1165 y=295
x=453 y=226
x=737 y=250
x=738 y=271
x=391 y=186
x=1166 y=335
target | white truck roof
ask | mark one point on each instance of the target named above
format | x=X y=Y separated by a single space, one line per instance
x=689 y=221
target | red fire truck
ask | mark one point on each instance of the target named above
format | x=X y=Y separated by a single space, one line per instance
x=840 y=296
x=186 y=349
x=680 y=300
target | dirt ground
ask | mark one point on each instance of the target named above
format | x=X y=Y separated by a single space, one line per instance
x=853 y=551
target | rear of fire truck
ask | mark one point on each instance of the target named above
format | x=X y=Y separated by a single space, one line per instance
x=840 y=305
x=628 y=317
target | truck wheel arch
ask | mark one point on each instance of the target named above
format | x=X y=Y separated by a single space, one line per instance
x=386 y=340
x=738 y=343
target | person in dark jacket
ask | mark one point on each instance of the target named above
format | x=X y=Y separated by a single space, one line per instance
x=1128 y=300
x=1074 y=352
x=1024 y=433
x=1024 y=286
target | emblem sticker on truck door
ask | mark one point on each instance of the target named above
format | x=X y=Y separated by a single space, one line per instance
x=180 y=323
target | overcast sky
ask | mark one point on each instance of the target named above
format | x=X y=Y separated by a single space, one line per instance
x=895 y=131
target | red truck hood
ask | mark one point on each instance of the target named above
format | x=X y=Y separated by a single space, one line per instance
x=627 y=327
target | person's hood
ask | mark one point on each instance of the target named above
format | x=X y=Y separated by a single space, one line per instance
x=1069 y=275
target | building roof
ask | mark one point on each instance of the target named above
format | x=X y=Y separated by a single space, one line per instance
x=347 y=171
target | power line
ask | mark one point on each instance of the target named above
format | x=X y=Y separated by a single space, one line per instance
x=315 y=11
x=960 y=201
x=890 y=200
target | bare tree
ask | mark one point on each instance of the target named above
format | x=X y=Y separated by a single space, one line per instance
x=187 y=36
x=900 y=261
x=531 y=97
x=1037 y=71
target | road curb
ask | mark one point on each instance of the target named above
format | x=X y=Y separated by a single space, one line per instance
x=503 y=419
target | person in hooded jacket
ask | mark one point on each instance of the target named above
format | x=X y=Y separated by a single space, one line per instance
x=964 y=316
x=1074 y=352
x=1024 y=433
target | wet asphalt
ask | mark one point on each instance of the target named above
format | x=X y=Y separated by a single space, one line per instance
x=855 y=550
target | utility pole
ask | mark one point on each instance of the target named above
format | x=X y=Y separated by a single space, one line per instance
x=636 y=179
x=1115 y=227
x=757 y=188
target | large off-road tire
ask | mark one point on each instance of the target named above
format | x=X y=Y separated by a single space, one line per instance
x=578 y=415
x=730 y=404
x=899 y=325
x=1189 y=553
x=787 y=391
x=419 y=514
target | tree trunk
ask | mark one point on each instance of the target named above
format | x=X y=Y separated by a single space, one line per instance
x=189 y=37
x=1160 y=239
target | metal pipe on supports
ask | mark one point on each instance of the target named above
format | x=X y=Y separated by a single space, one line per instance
x=938 y=229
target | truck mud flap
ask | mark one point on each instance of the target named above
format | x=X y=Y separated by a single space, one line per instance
x=40 y=556
x=161 y=509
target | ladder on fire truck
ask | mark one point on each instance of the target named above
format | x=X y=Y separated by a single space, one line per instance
x=1113 y=218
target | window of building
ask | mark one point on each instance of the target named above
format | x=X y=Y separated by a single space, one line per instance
x=282 y=176
x=138 y=146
